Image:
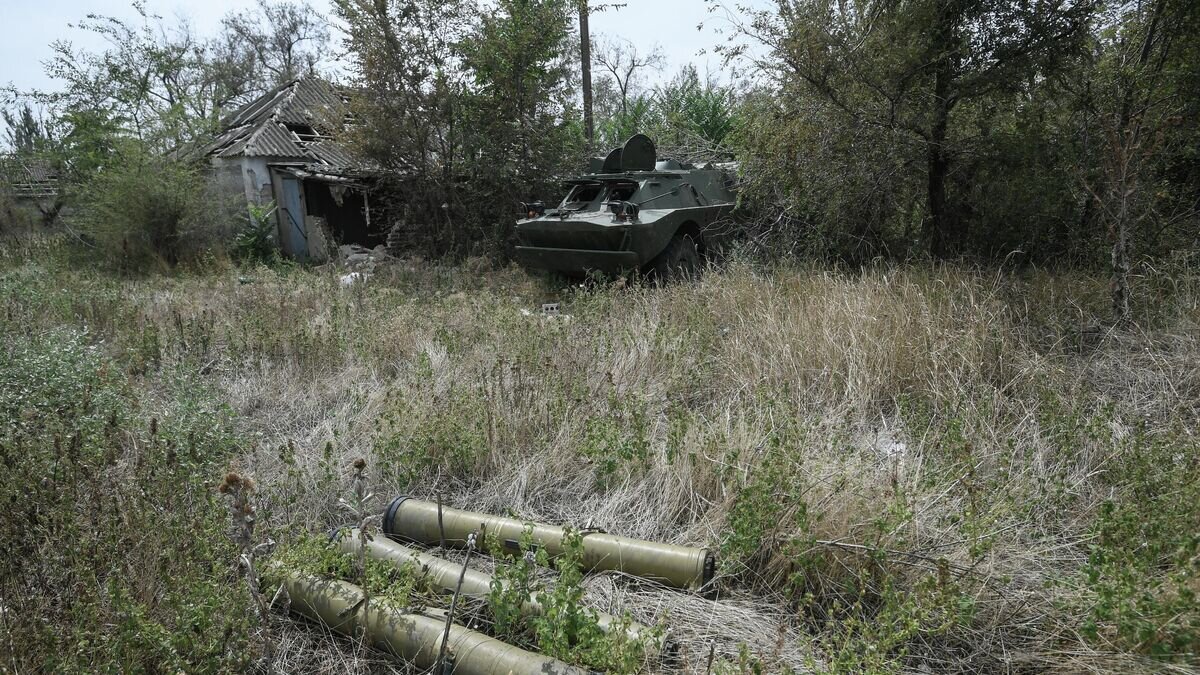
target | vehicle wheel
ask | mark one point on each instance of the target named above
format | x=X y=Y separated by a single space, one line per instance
x=679 y=260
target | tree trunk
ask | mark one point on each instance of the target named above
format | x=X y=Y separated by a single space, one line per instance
x=585 y=59
x=936 y=233
x=1120 y=254
x=937 y=225
x=1124 y=178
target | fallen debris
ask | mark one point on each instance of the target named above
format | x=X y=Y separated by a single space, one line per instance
x=361 y=257
x=352 y=278
x=550 y=312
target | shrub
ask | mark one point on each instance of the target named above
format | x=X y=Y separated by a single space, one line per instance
x=115 y=551
x=1143 y=569
x=255 y=242
x=14 y=216
x=403 y=587
x=565 y=629
x=145 y=210
x=619 y=440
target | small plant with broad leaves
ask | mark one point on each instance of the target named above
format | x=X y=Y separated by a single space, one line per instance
x=255 y=241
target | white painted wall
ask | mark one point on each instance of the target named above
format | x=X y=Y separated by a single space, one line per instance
x=250 y=176
x=248 y=179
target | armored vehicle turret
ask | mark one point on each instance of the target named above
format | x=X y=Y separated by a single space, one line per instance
x=630 y=212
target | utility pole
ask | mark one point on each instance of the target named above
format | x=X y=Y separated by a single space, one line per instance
x=585 y=58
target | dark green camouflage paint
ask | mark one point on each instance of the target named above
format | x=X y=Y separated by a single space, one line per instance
x=586 y=233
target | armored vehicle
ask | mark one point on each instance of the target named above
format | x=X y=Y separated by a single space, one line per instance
x=631 y=212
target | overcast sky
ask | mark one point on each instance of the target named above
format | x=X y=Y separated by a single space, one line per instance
x=31 y=25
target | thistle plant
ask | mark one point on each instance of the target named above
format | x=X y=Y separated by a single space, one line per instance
x=359 y=507
x=241 y=511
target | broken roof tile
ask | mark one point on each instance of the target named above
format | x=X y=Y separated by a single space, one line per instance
x=267 y=126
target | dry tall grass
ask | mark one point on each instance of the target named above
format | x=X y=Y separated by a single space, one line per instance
x=906 y=461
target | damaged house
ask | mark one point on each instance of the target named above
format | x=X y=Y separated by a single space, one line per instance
x=29 y=183
x=29 y=177
x=279 y=149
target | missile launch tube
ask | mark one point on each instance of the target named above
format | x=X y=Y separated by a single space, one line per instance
x=476 y=584
x=678 y=566
x=416 y=638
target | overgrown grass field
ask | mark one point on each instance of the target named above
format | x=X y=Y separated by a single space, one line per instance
x=902 y=468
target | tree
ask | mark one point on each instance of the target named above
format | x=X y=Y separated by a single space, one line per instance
x=979 y=48
x=585 y=9
x=153 y=80
x=467 y=111
x=1148 y=87
x=24 y=132
x=285 y=40
x=27 y=138
x=163 y=84
x=694 y=118
x=585 y=60
x=520 y=113
x=521 y=96
x=129 y=113
x=626 y=65
x=899 y=74
x=408 y=84
x=151 y=87
x=614 y=127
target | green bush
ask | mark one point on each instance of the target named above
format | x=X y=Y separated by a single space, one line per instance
x=1143 y=570
x=618 y=442
x=145 y=210
x=116 y=556
x=15 y=217
x=404 y=587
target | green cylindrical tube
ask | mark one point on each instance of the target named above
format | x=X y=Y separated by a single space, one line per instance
x=476 y=584
x=678 y=566
x=416 y=638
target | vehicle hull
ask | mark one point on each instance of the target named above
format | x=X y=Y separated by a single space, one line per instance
x=600 y=243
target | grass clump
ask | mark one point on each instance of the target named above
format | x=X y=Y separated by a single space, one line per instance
x=449 y=436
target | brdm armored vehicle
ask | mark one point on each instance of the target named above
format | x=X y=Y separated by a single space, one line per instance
x=631 y=212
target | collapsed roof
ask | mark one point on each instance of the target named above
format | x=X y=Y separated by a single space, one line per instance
x=28 y=176
x=293 y=122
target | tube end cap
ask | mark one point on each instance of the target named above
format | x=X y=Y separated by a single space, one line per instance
x=389 y=515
